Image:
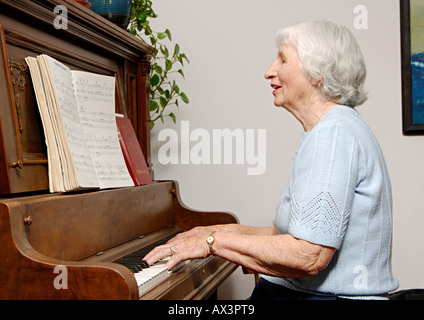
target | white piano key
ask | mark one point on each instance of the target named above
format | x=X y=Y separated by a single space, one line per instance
x=150 y=277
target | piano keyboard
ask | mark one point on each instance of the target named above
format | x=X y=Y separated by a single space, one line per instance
x=148 y=277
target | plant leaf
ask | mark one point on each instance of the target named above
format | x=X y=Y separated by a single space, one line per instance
x=141 y=17
x=176 y=89
x=158 y=69
x=164 y=51
x=168 y=33
x=173 y=117
x=176 y=50
x=152 y=40
x=163 y=102
x=153 y=105
x=184 y=97
x=185 y=57
x=154 y=81
x=180 y=71
x=168 y=64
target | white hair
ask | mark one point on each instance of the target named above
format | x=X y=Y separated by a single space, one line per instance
x=330 y=57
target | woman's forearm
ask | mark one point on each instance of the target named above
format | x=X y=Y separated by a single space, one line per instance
x=229 y=228
x=275 y=255
x=246 y=230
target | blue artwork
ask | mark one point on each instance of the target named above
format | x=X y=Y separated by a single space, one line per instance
x=417 y=64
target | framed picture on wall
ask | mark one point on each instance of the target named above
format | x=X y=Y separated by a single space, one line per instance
x=412 y=44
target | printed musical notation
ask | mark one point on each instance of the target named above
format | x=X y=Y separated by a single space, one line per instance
x=96 y=106
x=71 y=123
x=84 y=119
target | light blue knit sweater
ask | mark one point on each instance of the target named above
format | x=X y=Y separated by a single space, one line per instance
x=339 y=195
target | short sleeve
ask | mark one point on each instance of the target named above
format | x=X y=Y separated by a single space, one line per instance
x=324 y=178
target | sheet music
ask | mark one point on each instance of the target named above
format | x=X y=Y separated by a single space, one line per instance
x=62 y=82
x=95 y=95
x=54 y=167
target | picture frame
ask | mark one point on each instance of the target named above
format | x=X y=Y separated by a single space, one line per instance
x=412 y=66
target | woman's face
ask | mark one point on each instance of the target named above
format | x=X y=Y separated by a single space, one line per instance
x=291 y=87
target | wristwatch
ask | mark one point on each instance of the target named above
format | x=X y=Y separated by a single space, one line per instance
x=210 y=241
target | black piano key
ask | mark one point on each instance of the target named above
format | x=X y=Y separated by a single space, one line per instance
x=133 y=263
x=133 y=269
x=133 y=266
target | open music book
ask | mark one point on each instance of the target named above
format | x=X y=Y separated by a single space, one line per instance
x=77 y=110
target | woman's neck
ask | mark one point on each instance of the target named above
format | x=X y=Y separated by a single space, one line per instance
x=309 y=116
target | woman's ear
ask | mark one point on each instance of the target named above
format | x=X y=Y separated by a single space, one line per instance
x=317 y=82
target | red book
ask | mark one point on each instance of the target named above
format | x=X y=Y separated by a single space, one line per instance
x=134 y=158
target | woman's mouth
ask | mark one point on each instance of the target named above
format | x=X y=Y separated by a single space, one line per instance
x=275 y=87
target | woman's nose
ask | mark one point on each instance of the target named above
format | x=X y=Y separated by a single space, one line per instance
x=271 y=72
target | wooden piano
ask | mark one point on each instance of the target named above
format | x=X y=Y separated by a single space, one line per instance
x=67 y=246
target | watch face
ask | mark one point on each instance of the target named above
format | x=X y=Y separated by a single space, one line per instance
x=210 y=239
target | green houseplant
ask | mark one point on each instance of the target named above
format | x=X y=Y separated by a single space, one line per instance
x=164 y=90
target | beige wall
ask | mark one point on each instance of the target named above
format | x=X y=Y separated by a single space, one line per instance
x=230 y=44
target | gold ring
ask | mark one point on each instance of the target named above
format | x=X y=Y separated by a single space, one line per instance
x=172 y=251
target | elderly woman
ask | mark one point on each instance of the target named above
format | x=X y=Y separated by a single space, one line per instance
x=331 y=237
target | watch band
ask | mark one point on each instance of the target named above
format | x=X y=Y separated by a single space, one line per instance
x=210 y=241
